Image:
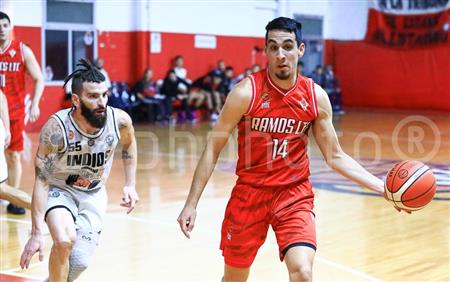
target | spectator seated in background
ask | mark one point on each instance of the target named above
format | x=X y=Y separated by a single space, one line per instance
x=129 y=100
x=181 y=73
x=99 y=64
x=317 y=75
x=331 y=86
x=207 y=87
x=171 y=90
x=240 y=77
x=146 y=92
x=225 y=84
x=220 y=69
x=114 y=99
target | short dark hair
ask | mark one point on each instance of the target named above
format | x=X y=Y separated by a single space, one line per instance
x=86 y=73
x=286 y=24
x=4 y=16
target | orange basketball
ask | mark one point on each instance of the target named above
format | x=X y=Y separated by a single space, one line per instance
x=410 y=185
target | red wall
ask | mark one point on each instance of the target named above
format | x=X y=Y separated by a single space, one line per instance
x=53 y=95
x=127 y=54
x=373 y=76
x=235 y=51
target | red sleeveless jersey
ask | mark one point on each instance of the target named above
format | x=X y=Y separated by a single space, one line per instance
x=12 y=78
x=273 y=134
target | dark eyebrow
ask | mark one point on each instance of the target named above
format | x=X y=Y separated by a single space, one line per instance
x=289 y=40
x=97 y=93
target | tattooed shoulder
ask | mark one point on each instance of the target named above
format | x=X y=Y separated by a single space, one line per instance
x=51 y=135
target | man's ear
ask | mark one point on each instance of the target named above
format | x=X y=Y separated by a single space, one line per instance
x=301 y=49
x=75 y=100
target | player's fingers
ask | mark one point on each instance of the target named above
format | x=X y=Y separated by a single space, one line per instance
x=132 y=204
x=190 y=224
x=126 y=197
x=41 y=254
x=184 y=227
x=28 y=257
x=22 y=259
x=130 y=209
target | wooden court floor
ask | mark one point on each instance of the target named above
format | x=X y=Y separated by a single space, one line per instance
x=360 y=236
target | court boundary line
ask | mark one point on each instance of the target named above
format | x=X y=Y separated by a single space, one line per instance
x=328 y=262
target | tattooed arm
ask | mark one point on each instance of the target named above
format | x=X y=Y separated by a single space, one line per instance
x=129 y=157
x=50 y=142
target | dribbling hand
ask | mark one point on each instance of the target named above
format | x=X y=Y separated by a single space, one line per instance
x=129 y=198
x=35 y=244
x=186 y=219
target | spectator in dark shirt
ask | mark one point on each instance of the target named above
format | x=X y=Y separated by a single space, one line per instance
x=225 y=84
x=220 y=69
x=170 y=89
x=240 y=77
x=145 y=91
x=208 y=85
x=318 y=76
x=331 y=86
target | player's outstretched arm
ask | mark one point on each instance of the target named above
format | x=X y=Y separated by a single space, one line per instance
x=235 y=107
x=129 y=158
x=35 y=72
x=51 y=141
x=4 y=117
x=325 y=136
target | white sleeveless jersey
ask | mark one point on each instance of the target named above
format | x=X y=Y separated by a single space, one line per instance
x=86 y=160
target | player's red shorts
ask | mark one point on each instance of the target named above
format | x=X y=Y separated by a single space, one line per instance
x=250 y=211
x=17 y=127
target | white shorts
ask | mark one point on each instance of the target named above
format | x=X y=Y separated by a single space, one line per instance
x=87 y=208
x=3 y=167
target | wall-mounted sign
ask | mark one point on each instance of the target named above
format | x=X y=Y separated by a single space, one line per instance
x=205 y=41
x=155 y=42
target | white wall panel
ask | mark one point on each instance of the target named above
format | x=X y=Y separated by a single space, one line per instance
x=118 y=15
x=241 y=18
x=23 y=12
x=306 y=7
x=346 y=20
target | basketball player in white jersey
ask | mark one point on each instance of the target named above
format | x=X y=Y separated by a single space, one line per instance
x=73 y=161
x=14 y=196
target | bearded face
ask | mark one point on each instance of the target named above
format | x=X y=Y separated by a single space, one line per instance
x=95 y=117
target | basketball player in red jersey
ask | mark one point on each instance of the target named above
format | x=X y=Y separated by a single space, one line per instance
x=15 y=59
x=273 y=110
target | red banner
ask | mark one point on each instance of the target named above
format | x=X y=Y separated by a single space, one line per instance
x=401 y=26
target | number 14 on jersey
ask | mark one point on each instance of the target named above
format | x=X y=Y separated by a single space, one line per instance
x=279 y=148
